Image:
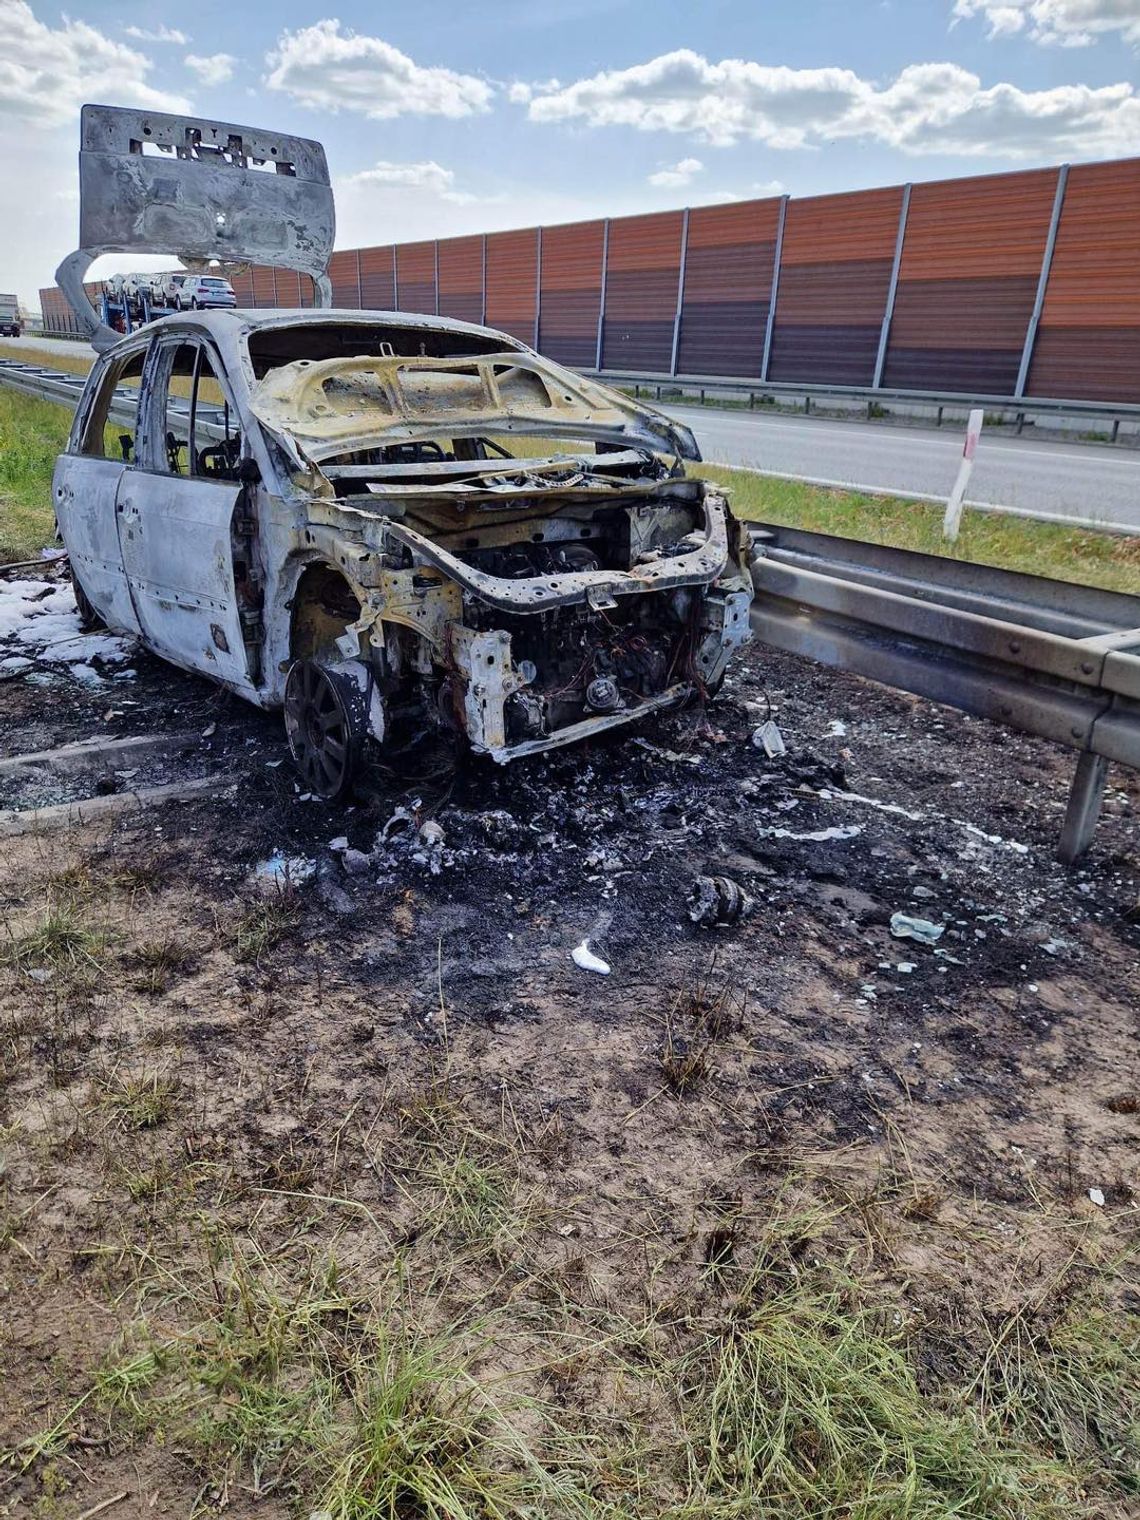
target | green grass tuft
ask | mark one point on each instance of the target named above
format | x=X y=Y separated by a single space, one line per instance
x=61 y=939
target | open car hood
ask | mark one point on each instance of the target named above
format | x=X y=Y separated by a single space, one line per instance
x=331 y=407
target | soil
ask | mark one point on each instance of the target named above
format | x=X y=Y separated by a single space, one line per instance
x=996 y=1069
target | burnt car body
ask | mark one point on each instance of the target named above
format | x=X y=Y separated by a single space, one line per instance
x=369 y=517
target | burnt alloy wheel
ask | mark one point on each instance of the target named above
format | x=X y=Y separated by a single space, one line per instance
x=325 y=724
x=89 y=618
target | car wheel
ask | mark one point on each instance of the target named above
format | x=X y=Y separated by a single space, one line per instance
x=193 y=303
x=89 y=618
x=326 y=722
x=177 y=303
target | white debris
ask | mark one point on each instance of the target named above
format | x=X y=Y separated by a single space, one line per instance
x=903 y=926
x=1006 y=844
x=836 y=729
x=816 y=836
x=906 y=967
x=40 y=625
x=283 y=870
x=86 y=675
x=872 y=802
x=769 y=738
x=431 y=838
x=585 y=959
x=1097 y=1197
x=339 y=844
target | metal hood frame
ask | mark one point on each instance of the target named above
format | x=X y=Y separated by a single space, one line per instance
x=200 y=190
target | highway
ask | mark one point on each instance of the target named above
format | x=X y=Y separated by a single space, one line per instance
x=1079 y=483
x=1096 y=485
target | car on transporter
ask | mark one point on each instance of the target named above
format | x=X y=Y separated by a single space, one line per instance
x=381 y=522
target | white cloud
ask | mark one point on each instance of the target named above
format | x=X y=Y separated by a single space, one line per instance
x=677 y=174
x=1063 y=23
x=47 y=73
x=214 y=68
x=926 y=108
x=157 y=34
x=427 y=175
x=759 y=190
x=323 y=67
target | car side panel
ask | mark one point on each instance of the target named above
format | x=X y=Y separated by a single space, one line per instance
x=175 y=537
x=85 y=492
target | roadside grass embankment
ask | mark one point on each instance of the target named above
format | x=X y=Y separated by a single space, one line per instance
x=31 y=435
x=854 y=1340
x=1107 y=560
x=461 y=1345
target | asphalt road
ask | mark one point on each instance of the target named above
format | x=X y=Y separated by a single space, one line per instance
x=1074 y=482
x=1080 y=483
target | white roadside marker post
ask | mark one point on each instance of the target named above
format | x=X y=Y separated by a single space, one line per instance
x=953 y=519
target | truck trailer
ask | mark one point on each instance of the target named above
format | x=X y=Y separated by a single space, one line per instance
x=9 y=317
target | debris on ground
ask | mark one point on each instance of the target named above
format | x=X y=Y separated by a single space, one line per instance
x=282 y=871
x=40 y=632
x=769 y=738
x=586 y=960
x=718 y=900
x=903 y=926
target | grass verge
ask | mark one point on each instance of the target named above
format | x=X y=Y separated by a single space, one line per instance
x=32 y=433
x=401 y=1389
x=1106 y=560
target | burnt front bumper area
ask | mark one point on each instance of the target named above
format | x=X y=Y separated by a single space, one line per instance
x=552 y=679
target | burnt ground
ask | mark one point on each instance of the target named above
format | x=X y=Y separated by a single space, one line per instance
x=994 y=1082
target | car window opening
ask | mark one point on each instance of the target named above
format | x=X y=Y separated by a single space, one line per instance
x=107 y=438
x=201 y=437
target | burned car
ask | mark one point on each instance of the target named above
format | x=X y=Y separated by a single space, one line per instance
x=375 y=520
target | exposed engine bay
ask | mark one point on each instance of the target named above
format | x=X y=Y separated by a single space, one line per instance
x=550 y=596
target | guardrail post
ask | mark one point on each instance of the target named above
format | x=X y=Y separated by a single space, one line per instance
x=889 y=309
x=775 y=288
x=602 y=294
x=1085 y=797
x=680 y=292
x=1042 y=282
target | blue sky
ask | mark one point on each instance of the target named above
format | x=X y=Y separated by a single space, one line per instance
x=449 y=117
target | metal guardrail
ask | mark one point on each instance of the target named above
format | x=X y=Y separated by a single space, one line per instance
x=1047 y=657
x=66 y=389
x=1111 y=413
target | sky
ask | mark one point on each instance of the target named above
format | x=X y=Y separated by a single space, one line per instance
x=448 y=117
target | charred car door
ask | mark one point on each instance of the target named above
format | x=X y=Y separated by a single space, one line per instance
x=86 y=485
x=178 y=511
